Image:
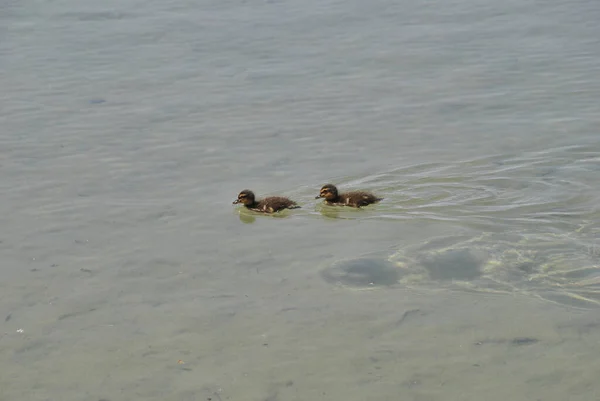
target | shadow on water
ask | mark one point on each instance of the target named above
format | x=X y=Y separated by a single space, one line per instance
x=362 y=273
x=454 y=264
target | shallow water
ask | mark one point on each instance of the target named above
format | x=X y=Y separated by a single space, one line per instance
x=129 y=128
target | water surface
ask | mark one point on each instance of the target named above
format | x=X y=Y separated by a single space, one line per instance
x=128 y=128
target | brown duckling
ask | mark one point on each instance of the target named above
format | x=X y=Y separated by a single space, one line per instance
x=353 y=199
x=271 y=204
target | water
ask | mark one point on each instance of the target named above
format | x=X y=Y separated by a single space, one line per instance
x=129 y=128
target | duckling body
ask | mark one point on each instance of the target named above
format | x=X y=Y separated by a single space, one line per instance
x=270 y=204
x=353 y=199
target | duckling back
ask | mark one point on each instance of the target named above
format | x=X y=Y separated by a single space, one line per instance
x=358 y=198
x=274 y=204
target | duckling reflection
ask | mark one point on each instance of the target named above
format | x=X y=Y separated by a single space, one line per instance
x=330 y=213
x=246 y=218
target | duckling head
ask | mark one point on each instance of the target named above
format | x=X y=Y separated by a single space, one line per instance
x=329 y=192
x=246 y=198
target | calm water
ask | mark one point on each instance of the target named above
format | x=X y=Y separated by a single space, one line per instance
x=128 y=128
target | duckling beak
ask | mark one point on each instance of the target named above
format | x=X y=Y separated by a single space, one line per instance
x=317 y=197
x=235 y=202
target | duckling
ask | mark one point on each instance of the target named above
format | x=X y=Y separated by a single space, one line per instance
x=271 y=204
x=353 y=199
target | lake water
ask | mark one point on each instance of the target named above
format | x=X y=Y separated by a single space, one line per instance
x=128 y=128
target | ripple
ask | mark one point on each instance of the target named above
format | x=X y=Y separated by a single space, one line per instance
x=555 y=267
x=533 y=222
x=96 y=15
x=552 y=184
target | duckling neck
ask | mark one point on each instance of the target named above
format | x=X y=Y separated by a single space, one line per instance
x=253 y=205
